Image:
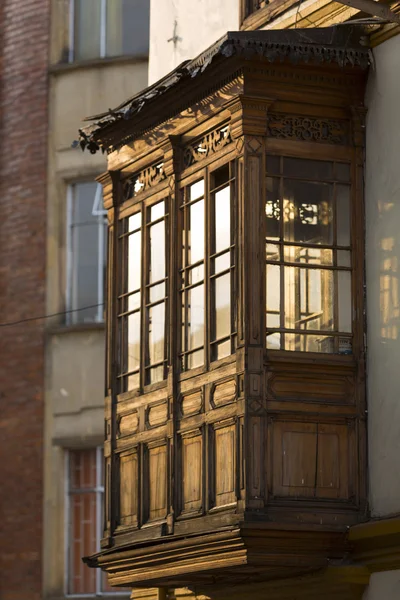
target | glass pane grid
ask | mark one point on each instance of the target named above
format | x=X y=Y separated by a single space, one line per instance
x=308 y=257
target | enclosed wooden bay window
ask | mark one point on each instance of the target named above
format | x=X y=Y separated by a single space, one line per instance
x=235 y=412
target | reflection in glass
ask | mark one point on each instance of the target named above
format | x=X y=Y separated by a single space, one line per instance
x=195 y=359
x=273 y=296
x=343 y=215
x=343 y=258
x=222 y=349
x=222 y=219
x=344 y=285
x=134 y=261
x=343 y=171
x=196 y=232
x=133 y=341
x=157 y=292
x=274 y=341
x=222 y=306
x=308 y=256
x=272 y=209
x=156 y=316
x=307 y=212
x=157 y=252
x=273 y=165
x=308 y=298
x=195 y=325
x=134 y=301
x=309 y=343
x=272 y=252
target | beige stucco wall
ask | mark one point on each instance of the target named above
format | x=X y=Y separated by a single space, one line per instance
x=74 y=356
x=383 y=586
x=382 y=192
x=199 y=24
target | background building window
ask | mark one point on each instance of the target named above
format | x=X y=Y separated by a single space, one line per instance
x=250 y=6
x=86 y=253
x=101 y=28
x=85 y=521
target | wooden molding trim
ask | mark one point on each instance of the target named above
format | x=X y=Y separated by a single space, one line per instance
x=377 y=544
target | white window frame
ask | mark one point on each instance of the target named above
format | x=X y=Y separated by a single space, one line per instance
x=97 y=211
x=99 y=491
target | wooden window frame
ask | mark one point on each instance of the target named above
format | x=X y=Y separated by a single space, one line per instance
x=206 y=172
x=141 y=206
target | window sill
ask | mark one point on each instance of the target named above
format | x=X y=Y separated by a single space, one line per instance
x=76 y=328
x=62 y=67
x=264 y=15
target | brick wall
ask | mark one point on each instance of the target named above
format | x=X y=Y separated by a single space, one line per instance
x=24 y=26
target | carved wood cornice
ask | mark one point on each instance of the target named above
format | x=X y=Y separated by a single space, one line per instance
x=249 y=115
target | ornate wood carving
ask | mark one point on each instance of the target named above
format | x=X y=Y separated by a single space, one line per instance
x=128 y=424
x=143 y=181
x=191 y=404
x=209 y=144
x=291 y=127
x=224 y=393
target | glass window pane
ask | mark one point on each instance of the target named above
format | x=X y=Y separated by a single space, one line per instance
x=196 y=232
x=343 y=171
x=134 y=301
x=157 y=211
x=196 y=359
x=134 y=261
x=222 y=349
x=307 y=169
x=222 y=287
x=85 y=272
x=223 y=262
x=128 y=24
x=195 y=317
x=157 y=252
x=344 y=291
x=157 y=292
x=274 y=341
x=87 y=15
x=273 y=165
x=133 y=382
x=196 y=190
x=273 y=296
x=309 y=298
x=222 y=219
x=309 y=343
x=272 y=209
x=343 y=215
x=156 y=374
x=307 y=212
x=343 y=258
x=156 y=316
x=308 y=256
x=134 y=221
x=196 y=274
x=272 y=252
x=133 y=341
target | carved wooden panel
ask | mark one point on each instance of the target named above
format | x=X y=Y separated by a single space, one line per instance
x=128 y=424
x=256 y=437
x=141 y=182
x=192 y=472
x=191 y=404
x=129 y=488
x=224 y=393
x=293 y=127
x=157 y=414
x=225 y=464
x=209 y=144
x=311 y=460
x=319 y=386
x=157 y=482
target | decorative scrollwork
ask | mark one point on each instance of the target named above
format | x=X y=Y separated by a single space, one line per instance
x=307 y=129
x=210 y=143
x=146 y=179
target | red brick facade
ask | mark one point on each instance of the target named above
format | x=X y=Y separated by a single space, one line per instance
x=24 y=41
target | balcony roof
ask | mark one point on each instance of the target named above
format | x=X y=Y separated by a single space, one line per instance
x=345 y=45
